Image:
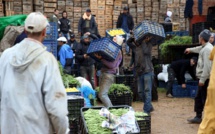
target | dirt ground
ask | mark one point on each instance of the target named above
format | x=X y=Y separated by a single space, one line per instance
x=170 y=115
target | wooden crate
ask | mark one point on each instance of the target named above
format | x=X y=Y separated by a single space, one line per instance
x=50 y=1
x=78 y=15
x=100 y=17
x=140 y=2
x=38 y=8
x=147 y=14
x=92 y=2
x=101 y=2
x=147 y=18
x=109 y=2
x=108 y=22
x=108 y=12
x=61 y=3
x=108 y=7
x=108 y=17
x=85 y=4
x=70 y=14
x=101 y=12
x=27 y=8
x=17 y=3
x=27 y=2
x=77 y=9
x=9 y=6
x=69 y=3
x=117 y=3
x=115 y=18
x=116 y=13
x=95 y=6
x=140 y=19
x=17 y=8
x=75 y=25
x=132 y=5
x=102 y=27
x=100 y=22
x=148 y=9
x=9 y=12
x=133 y=14
x=140 y=9
x=94 y=12
x=69 y=8
x=38 y=3
x=83 y=9
x=49 y=9
x=61 y=8
x=54 y=5
x=77 y=4
x=101 y=7
x=26 y=12
x=118 y=8
x=17 y=13
x=76 y=19
x=1 y=8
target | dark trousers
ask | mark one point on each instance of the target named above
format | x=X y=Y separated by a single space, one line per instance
x=200 y=99
x=171 y=78
x=88 y=71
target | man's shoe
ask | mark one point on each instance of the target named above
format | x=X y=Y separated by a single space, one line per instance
x=169 y=96
x=195 y=120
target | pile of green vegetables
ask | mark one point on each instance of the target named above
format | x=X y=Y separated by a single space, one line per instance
x=68 y=79
x=94 y=122
x=176 y=40
x=118 y=89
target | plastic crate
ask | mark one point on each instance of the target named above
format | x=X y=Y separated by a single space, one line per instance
x=162 y=84
x=144 y=124
x=51 y=46
x=149 y=29
x=74 y=93
x=75 y=103
x=105 y=47
x=128 y=80
x=178 y=33
x=52 y=31
x=178 y=91
x=193 y=91
x=124 y=99
x=83 y=125
x=74 y=126
x=111 y=37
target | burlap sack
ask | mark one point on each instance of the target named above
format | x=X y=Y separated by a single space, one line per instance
x=10 y=34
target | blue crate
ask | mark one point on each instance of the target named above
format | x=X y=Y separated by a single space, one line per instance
x=178 y=33
x=162 y=84
x=192 y=83
x=178 y=91
x=149 y=29
x=51 y=46
x=74 y=93
x=111 y=37
x=105 y=47
x=52 y=31
x=193 y=91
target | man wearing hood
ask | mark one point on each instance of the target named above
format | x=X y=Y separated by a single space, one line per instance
x=65 y=55
x=202 y=73
x=87 y=68
x=32 y=94
x=64 y=26
x=86 y=23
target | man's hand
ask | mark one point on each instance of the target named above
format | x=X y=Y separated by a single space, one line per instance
x=183 y=85
x=98 y=56
x=86 y=56
x=187 y=51
x=201 y=84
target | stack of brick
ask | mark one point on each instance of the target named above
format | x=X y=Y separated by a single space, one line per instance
x=133 y=12
x=155 y=10
x=49 y=7
x=39 y=6
x=9 y=7
x=1 y=9
x=17 y=7
x=140 y=11
x=77 y=15
x=108 y=14
x=148 y=10
x=162 y=10
x=116 y=11
x=27 y=6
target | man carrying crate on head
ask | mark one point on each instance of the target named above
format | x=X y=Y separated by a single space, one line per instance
x=32 y=94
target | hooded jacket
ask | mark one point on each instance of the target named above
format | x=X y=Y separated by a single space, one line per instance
x=82 y=24
x=33 y=98
x=82 y=49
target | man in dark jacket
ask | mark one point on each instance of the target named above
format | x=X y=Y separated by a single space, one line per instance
x=177 y=69
x=64 y=26
x=144 y=70
x=86 y=23
x=125 y=21
x=86 y=63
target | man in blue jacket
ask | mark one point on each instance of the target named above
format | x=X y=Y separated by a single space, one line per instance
x=65 y=55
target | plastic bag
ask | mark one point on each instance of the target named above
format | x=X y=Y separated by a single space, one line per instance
x=16 y=20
